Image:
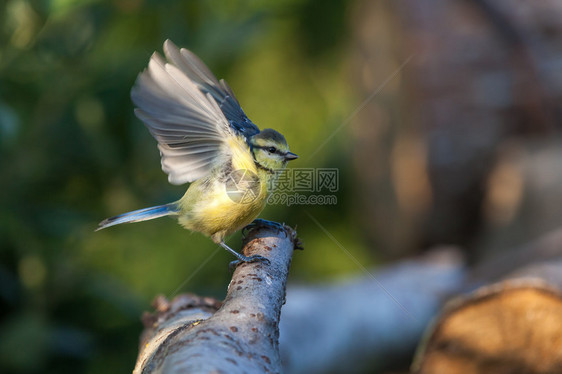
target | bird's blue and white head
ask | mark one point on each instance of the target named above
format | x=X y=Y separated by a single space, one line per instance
x=271 y=150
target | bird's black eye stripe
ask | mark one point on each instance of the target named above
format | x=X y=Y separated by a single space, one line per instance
x=270 y=149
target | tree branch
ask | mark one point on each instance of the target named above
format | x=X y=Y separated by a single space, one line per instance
x=193 y=334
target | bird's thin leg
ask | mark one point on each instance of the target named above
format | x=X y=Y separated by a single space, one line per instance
x=241 y=258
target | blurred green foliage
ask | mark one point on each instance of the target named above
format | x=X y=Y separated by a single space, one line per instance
x=72 y=154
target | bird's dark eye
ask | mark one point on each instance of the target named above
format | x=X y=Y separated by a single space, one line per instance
x=272 y=149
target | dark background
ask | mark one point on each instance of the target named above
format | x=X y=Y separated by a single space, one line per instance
x=72 y=154
x=442 y=118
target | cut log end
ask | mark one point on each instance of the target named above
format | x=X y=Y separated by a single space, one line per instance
x=511 y=327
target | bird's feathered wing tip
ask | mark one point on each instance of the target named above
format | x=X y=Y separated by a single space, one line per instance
x=220 y=91
x=140 y=215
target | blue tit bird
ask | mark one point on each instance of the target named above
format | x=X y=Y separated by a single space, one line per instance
x=204 y=138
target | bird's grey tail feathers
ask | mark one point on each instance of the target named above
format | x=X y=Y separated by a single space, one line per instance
x=140 y=215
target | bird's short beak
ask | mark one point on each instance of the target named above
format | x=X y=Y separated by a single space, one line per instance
x=291 y=156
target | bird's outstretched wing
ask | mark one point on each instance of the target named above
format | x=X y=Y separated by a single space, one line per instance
x=189 y=113
x=200 y=74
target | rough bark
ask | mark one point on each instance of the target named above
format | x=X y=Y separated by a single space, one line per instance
x=201 y=335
